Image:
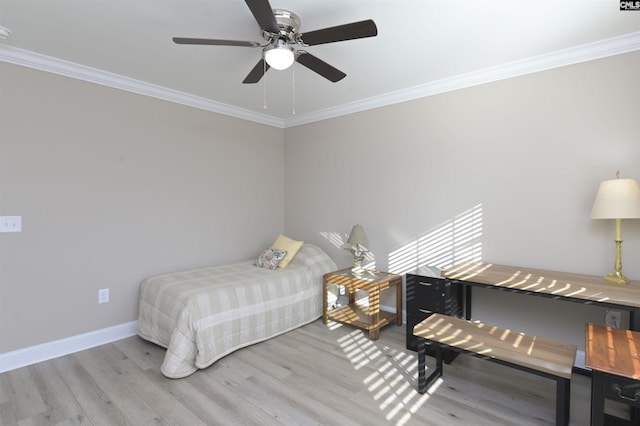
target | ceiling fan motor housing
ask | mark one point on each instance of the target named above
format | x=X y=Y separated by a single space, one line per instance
x=289 y=24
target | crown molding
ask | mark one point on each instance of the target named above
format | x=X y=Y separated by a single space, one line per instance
x=583 y=53
x=45 y=63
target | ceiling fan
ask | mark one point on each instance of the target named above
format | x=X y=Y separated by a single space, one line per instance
x=280 y=31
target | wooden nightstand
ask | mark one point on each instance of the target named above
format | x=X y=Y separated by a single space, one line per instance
x=363 y=313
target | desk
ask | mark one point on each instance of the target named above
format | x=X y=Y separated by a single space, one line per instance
x=614 y=357
x=585 y=289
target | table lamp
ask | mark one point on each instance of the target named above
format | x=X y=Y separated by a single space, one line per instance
x=617 y=199
x=357 y=244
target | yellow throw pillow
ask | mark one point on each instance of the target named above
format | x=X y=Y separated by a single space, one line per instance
x=290 y=246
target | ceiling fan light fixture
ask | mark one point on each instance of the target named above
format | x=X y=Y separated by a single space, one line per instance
x=279 y=56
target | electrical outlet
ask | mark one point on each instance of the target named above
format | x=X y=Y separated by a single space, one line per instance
x=103 y=295
x=612 y=318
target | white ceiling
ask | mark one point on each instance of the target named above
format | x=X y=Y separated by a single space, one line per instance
x=422 y=47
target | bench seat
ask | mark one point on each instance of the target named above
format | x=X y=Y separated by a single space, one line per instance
x=534 y=354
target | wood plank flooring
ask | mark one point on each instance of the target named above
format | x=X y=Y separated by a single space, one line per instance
x=315 y=375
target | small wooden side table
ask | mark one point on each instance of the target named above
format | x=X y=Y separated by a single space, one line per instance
x=614 y=356
x=367 y=316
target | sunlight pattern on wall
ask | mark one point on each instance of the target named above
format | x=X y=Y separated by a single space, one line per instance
x=457 y=240
x=335 y=238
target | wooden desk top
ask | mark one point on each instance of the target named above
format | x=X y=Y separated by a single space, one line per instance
x=560 y=284
x=612 y=350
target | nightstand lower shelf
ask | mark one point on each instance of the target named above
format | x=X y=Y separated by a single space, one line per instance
x=357 y=314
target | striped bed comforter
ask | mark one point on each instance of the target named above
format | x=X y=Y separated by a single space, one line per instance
x=201 y=315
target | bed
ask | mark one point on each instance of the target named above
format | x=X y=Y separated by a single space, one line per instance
x=201 y=315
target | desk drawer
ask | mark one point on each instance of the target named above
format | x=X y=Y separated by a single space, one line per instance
x=430 y=295
x=434 y=295
x=622 y=389
x=426 y=295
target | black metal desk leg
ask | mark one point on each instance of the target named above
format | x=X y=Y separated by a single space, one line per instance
x=439 y=359
x=563 y=401
x=634 y=319
x=425 y=382
x=597 y=398
x=467 y=301
x=422 y=374
x=634 y=325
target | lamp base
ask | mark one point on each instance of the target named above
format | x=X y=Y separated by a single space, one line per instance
x=357 y=269
x=616 y=278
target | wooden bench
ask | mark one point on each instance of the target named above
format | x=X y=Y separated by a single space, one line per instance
x=525 y=352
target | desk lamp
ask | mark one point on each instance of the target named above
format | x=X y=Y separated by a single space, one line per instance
x=617 y=199
x=357 y=244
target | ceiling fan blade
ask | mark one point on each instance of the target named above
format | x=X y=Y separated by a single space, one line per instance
x=261 y=10
x=256 y=73
x=210 y=41
x=344 y=32
x=321 y=67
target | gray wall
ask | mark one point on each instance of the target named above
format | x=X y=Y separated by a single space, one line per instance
x=113 y=187
x=519 y=159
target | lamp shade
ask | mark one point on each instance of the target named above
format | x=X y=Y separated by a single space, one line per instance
x=358 y=237
x=617 y=199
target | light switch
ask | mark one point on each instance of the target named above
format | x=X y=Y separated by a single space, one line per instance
x=10 y=223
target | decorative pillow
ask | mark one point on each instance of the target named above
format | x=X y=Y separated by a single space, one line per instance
x=270 y=258
x=290 y=246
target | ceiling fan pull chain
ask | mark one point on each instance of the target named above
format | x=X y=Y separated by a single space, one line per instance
x=264 y=85
x=293 y=90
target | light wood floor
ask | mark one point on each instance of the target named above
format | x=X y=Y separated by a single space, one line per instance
x=316 y=374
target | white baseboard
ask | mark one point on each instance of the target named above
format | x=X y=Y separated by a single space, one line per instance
x=43 y=352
